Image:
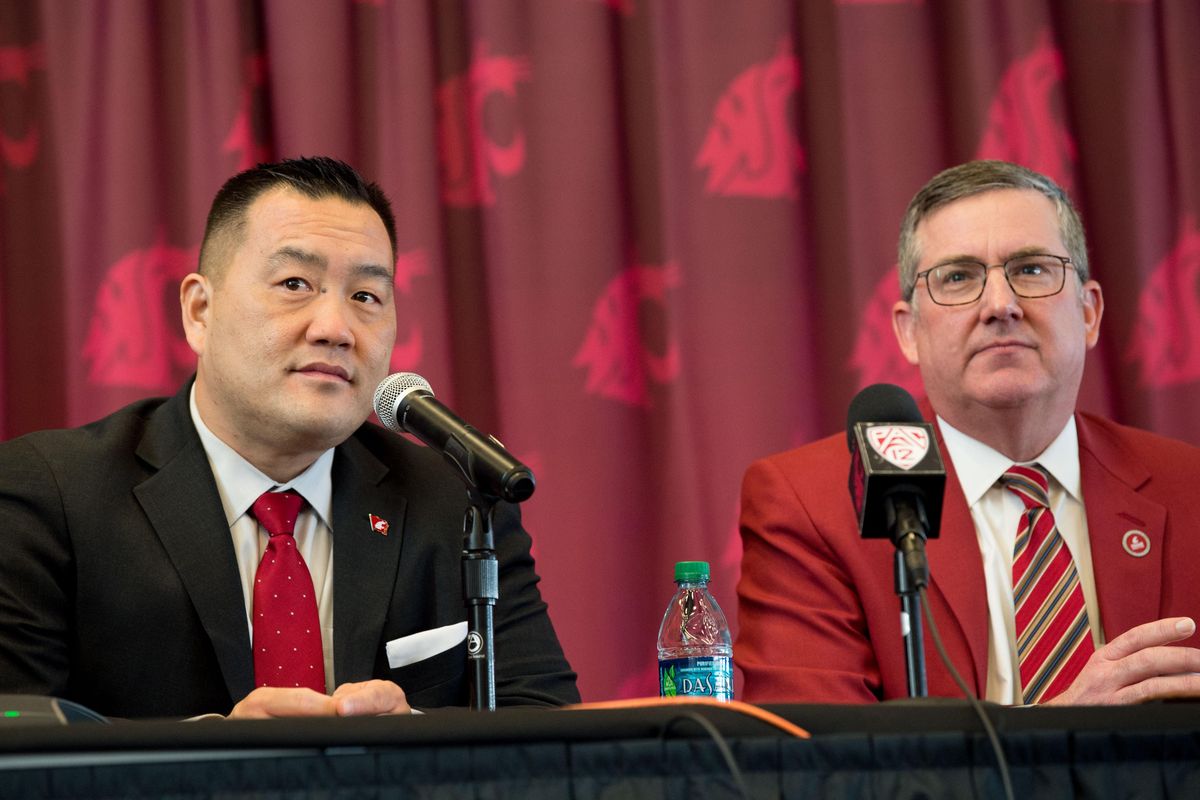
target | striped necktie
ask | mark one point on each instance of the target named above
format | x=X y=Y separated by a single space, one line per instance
x=1054 y=639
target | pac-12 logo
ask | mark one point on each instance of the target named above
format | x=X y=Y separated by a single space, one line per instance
x=902 y=445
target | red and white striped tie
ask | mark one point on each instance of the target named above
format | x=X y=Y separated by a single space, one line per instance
x=1054 y=639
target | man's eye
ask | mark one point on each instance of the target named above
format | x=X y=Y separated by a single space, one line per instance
x=365 y=297
x=295 y=284
x=956 y=276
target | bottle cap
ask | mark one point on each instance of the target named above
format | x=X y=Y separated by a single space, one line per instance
x=691 y=571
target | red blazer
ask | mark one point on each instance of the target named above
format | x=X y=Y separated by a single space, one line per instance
x=818 y=617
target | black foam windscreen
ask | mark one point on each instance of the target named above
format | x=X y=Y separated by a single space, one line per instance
x=880 y=402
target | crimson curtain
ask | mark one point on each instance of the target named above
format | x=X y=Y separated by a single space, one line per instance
x=642 y=241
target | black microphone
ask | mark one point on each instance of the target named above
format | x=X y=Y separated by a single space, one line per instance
x=897 y=477
x=405 y=403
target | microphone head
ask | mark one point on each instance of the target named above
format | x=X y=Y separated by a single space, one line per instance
x=880 y=402
x=391 y=391
x=893 y=451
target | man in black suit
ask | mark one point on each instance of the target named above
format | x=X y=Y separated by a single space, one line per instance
x=131 y=546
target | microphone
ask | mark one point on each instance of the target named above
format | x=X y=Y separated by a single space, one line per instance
x=405 y=403
x=897 y=477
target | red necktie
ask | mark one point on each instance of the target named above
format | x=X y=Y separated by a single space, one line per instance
x=287 y=631
x=1054 y=639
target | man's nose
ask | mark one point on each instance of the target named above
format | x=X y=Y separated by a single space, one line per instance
x=999 y=299
x=330 y=323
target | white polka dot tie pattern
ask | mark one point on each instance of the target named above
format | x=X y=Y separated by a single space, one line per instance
x=287 y=631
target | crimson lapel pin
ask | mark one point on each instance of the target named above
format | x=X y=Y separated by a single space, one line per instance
x=1136 y=543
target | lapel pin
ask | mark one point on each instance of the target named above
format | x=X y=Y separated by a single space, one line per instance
x=378 y=524
x=1136 y=543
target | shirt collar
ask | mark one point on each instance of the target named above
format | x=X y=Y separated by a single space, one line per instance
x=240 y=483
x=979 y=466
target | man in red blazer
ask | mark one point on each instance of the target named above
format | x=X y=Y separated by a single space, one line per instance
x=1001 y=353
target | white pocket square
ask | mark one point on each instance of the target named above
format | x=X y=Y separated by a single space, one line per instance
x=424 y=644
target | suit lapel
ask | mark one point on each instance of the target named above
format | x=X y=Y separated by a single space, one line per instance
x=1111 y=477
x=956 y=573
x=183 y=506
x=364 y=560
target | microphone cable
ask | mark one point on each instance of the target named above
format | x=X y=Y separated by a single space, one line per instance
x=692 y=714
x=718 y=739
x=997 y=748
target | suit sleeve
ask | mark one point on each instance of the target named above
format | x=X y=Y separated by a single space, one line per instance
x=803 y=633
x=35 y=575
x=530 y=666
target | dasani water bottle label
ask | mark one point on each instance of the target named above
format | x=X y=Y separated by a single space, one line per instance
x=704 y=676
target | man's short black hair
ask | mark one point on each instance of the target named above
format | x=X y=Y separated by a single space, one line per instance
x=316 y=177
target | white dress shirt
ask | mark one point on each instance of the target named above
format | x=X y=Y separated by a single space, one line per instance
x=240 y=483
x=996 y=512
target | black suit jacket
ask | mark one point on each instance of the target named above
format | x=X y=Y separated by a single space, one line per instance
x=119 y=587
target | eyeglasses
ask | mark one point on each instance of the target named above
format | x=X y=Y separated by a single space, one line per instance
x=962 y=282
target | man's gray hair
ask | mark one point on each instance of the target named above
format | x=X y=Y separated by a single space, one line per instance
x=976 y=177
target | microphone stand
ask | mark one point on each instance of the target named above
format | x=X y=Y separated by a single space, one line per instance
x=481 y=589
x=911 y=628
x=911 y=573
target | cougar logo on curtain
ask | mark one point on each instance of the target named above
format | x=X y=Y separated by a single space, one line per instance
x=471 y=148
x=1166 y=335
x=407 y=353
x=241 y=138
x=134 y=336
x=751 y=148
x=620 y=364
x=16 y=63
x=1022 y=124
x=876 y=355
x=902 y=445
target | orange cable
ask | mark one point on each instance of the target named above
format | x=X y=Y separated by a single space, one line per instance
x=733 y=705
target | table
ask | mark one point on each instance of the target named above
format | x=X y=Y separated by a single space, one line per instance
x=930 y=748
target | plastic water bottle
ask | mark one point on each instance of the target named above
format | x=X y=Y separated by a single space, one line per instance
x=695 y=652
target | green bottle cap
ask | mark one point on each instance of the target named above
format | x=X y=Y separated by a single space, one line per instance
x=691 y=571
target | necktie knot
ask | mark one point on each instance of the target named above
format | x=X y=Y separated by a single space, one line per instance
x=1030 y=483
x=277 y=511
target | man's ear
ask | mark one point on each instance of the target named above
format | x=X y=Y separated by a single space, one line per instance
x=904 y=320
x=1093 y=311
x=195 y=305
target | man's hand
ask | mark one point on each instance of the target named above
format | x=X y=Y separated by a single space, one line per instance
x=370 y=697
x=348 y=700
x=1137 y=666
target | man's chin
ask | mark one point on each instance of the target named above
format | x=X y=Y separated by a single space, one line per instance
x=1011 y=394
x=321 y=431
